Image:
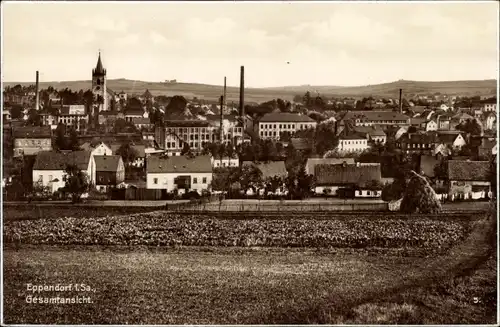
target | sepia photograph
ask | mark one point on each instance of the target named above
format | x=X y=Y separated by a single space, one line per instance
x=249 y=163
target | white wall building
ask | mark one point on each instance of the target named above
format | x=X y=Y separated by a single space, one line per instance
x=352 y=143
x=225 y=162
x=180 y=172
x=273 y=124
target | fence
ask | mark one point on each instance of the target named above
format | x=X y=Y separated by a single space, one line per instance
x=281 y=207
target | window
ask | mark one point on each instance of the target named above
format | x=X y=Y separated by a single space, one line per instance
x=165 y=181
x=155 y=181
x=50 y=178
x=40 y=178
x=204 y=180
x=195 y=180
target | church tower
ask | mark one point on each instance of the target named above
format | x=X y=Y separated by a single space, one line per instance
x=99 y=87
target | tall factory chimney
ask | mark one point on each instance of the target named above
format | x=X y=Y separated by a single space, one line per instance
x=242 y=95
x=37 y=93
x=401 y=100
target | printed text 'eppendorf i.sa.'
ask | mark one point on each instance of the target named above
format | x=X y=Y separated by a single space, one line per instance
x=39 y=294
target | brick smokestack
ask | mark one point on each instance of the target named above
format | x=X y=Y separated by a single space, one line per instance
x=401 y=100
x=242 y=95
x=37 y=93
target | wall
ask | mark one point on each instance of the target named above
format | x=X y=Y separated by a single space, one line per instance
x=461 y=187
x=32 y=146
x=352 y=145
x=165 y=181
x=46 y=174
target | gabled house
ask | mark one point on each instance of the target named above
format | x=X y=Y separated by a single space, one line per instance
x=109 y=171
x=130 y=114
x=424 y=124
x=31 y=140
x=49 y=167
x=468 y=178
x=180 y=173
x=348 y=180
x=451 y=139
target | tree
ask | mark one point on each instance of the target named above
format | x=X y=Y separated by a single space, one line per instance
x=419 y=196
x=251 y=177
x=134 y=104
x=60 y=137
x=441 y=170
x=176 y=105
x=271 y=184
x=34 y=118
x=16 y=112
x=76 y=182
x=186 y=149
x=128 y=153
x=470 y=126
x=305 y=183
x=73 y=140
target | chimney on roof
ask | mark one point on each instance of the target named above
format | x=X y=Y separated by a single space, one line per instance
x=37 y=95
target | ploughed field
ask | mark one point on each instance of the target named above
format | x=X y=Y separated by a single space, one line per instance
x=432 y=234
x=163 y=268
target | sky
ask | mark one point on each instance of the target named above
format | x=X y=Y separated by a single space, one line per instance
x=280 y=43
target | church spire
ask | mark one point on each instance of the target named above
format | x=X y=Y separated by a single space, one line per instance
x=99 y=69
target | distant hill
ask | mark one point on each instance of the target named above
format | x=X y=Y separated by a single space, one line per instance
x=213 y=92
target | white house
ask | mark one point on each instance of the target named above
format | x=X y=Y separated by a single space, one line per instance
x=179 y=172
x=490 y=107
x=444 y=107
x=99 y=149
x=491 y=121
x=431 y=125
x=225 y=162
x=49 y=167
x=272 y=125
x=352 y=143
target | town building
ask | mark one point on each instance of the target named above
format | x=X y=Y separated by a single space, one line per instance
x=353 y=142
x=182 y=173
x=490 y=105
x=424 y=124
x=346 y=180
x=32 y=139
x=271 y=125
x=269 y=170
x=468 y=179
x=373 y=133
x=382 y=118
x=218 y=162
x=131 y=114
x=73 y=115
x=109 y=171
x=49 y=168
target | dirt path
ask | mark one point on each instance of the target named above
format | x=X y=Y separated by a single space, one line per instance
x=460 y=261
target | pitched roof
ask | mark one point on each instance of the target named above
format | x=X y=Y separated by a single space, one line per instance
x=179 y=164
x=187 y=123
x=269 y=169
x=371 y=130
x=352 y=136
x=134 y=112
x=99 y=69
x=447 y=138
x=418 y=120
x=312 y=162
x=462 y=170
x=373 y=115
x=32 y=132
x=53 y=160
x=347 y=174
x=141 y=120
x=418 y=108
x=420 y=138
x=107 y=163
x=285 y=117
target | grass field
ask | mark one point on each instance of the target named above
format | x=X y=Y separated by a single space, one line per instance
x=218 y=285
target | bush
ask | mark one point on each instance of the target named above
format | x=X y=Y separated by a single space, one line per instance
x=419 y=196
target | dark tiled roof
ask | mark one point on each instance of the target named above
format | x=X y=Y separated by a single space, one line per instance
x=279 y=117
x=418 y=108
x=179 y=164
x=347 y=174
x=107 y=163
x=269 y=169
x=352 y=136
x=447 y=138
x=459 y=170
x=53 y=160
x=140 y=120
x=312 y=162
x=376 y=115
x=134 y=112
x=187 y=123
x=32 y=132
x=371 y=130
